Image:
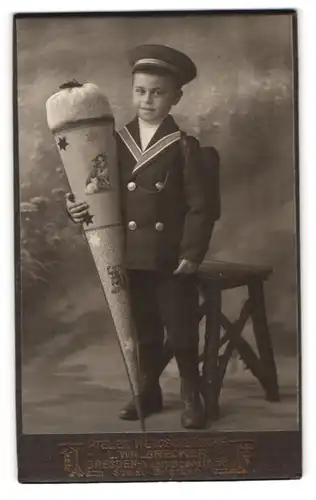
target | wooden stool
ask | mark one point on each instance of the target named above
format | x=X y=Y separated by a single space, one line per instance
x=214 y=278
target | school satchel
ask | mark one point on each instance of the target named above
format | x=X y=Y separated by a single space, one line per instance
x=211 y=164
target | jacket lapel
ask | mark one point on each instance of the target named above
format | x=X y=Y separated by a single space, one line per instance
x=167 y=134
x=168 y=126
x=133 y=129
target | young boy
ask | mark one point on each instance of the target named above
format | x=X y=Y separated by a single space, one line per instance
x=168 y=227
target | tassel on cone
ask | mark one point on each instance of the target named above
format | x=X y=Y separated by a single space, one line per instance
x=82 y=123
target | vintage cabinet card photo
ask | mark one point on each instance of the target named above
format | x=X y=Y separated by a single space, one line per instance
x=157 y=246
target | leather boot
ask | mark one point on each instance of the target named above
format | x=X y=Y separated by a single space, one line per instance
x=150 y=400
x=193 y=415
x=150 y=394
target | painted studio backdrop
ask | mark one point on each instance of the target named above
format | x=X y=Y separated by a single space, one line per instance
x=73 y=377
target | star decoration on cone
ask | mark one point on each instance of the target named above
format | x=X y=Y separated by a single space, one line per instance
x=94 y=240
x=62 y=143
x=88 y=219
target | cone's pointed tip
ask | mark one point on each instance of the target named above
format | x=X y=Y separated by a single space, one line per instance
x=139 y=411
x=142 y=423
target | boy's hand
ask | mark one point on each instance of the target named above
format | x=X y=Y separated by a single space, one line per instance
x=186 y=267
x=76 y=210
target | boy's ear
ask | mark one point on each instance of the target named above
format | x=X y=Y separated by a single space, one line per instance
x=178 y=96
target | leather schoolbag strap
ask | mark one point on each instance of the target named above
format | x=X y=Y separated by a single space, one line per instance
x=184 y=146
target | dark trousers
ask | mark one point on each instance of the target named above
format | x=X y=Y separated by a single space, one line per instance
x=165 y=303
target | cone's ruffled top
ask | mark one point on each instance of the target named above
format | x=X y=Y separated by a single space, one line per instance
x=76 y=103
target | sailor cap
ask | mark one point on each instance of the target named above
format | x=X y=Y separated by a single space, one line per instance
x=163 y=58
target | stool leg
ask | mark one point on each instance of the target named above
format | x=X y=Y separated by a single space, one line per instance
x=210 y=374
x=263 y=339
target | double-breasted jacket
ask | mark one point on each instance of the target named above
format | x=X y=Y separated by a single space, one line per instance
x=164 y=198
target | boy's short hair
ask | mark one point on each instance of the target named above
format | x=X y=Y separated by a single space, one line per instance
x=160 y=72
x=160 y=59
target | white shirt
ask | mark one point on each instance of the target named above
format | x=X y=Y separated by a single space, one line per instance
x=146 y=132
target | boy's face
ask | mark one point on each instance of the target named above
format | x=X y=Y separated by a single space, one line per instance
x=154 y=95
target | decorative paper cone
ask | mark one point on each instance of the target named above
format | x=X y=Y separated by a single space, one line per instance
x=82 y=123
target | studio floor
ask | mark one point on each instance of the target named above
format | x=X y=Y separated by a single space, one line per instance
x=76 y=383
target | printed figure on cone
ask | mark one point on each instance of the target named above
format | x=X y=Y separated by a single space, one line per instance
x=98 y=179
x=167 y=227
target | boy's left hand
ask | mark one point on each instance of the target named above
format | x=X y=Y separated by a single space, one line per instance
x=186 y=267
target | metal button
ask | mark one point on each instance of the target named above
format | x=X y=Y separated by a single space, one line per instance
x=132 y=225
x=131 y=186
x=159 y=186
x=159 y=226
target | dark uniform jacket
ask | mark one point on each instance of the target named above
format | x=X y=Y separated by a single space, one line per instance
x=164 y=197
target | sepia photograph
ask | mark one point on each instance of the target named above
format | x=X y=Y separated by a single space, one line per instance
x=157 y=241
